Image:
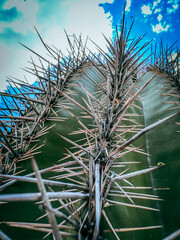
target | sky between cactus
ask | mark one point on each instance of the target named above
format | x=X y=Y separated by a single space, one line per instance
x=160 y=18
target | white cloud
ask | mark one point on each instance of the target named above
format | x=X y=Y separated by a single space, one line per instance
x=172 y=1
x=158 y=28
x=173 y=9
x=146 y=10
x=159 y=18
x=174 y=6
x=152 y=8
x=170 y=10
x=87 y=18
x=128 y=5
x=157 y=10
x=28 y=21
x=76 y=16
x=155 y=3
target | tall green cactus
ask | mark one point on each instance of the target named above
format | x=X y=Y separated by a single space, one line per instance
x=102 y=106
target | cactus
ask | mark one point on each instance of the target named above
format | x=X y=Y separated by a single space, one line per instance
x=91 y=112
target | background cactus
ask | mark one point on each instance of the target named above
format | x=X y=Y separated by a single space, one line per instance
x=98 y=107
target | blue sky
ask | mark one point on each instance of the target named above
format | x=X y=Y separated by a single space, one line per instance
x=159 y=18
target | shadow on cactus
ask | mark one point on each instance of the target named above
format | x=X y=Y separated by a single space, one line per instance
x=101 y=188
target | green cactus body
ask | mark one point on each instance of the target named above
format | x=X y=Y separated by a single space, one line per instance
x=95 y=114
